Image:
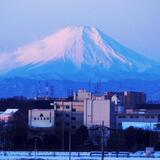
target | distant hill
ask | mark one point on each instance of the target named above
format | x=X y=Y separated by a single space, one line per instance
x=73 y=57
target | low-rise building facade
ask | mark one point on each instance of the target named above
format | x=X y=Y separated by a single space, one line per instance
x=98 y=111
x=144 y=120
x=68 y=114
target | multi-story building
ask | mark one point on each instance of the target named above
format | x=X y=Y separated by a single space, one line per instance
x=68 y=114
x=56 y=119
x=61 y=116
x=131 y=99
x=98 y=111
x=142 y=119
x=81 y=95
x=128 y=99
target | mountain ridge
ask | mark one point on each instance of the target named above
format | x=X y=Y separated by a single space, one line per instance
x=73 y=57
x=82 y=52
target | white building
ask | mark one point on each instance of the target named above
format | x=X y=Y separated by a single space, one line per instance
x=81 y=95
x=97 y=111
x=7 y=114
x=41 y=118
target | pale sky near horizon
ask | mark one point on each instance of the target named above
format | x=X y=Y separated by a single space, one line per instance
x=133 y=23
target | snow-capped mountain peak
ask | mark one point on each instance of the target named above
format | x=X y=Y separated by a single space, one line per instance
x=78 y=44
x=67 y=43
x=77 y=51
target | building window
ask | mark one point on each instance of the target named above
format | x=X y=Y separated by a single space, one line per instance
x=47 y=118
x=34 y=118
x=44 y=118
x=73 y=110
x=67 y=107
x=67 y=115
x=73 y=118
x=58 y=107
x=73 y=127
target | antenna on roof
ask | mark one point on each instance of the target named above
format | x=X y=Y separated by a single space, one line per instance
x=38 y=91
x=47 y=91
x=52 y=91
x=98 y=86
x=89 y=85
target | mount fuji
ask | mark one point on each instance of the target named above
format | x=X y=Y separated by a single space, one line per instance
x=71 y=58
x=80 y=54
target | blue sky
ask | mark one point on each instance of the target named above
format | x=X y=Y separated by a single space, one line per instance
x=134 y=23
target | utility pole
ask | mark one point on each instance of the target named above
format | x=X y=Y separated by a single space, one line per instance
x=70 y=133
x=150 y=135
x=5 y=139
x=102 y=140
x=70 y=145
x=35 y=148
x=63 y=126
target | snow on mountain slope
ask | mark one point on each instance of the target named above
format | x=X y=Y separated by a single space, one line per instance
x=78 y=52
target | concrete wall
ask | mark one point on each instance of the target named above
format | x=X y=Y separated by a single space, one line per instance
x=96 y=111
x=41 y=118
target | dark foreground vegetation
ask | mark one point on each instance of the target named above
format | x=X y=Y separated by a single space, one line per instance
x=17 y=138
